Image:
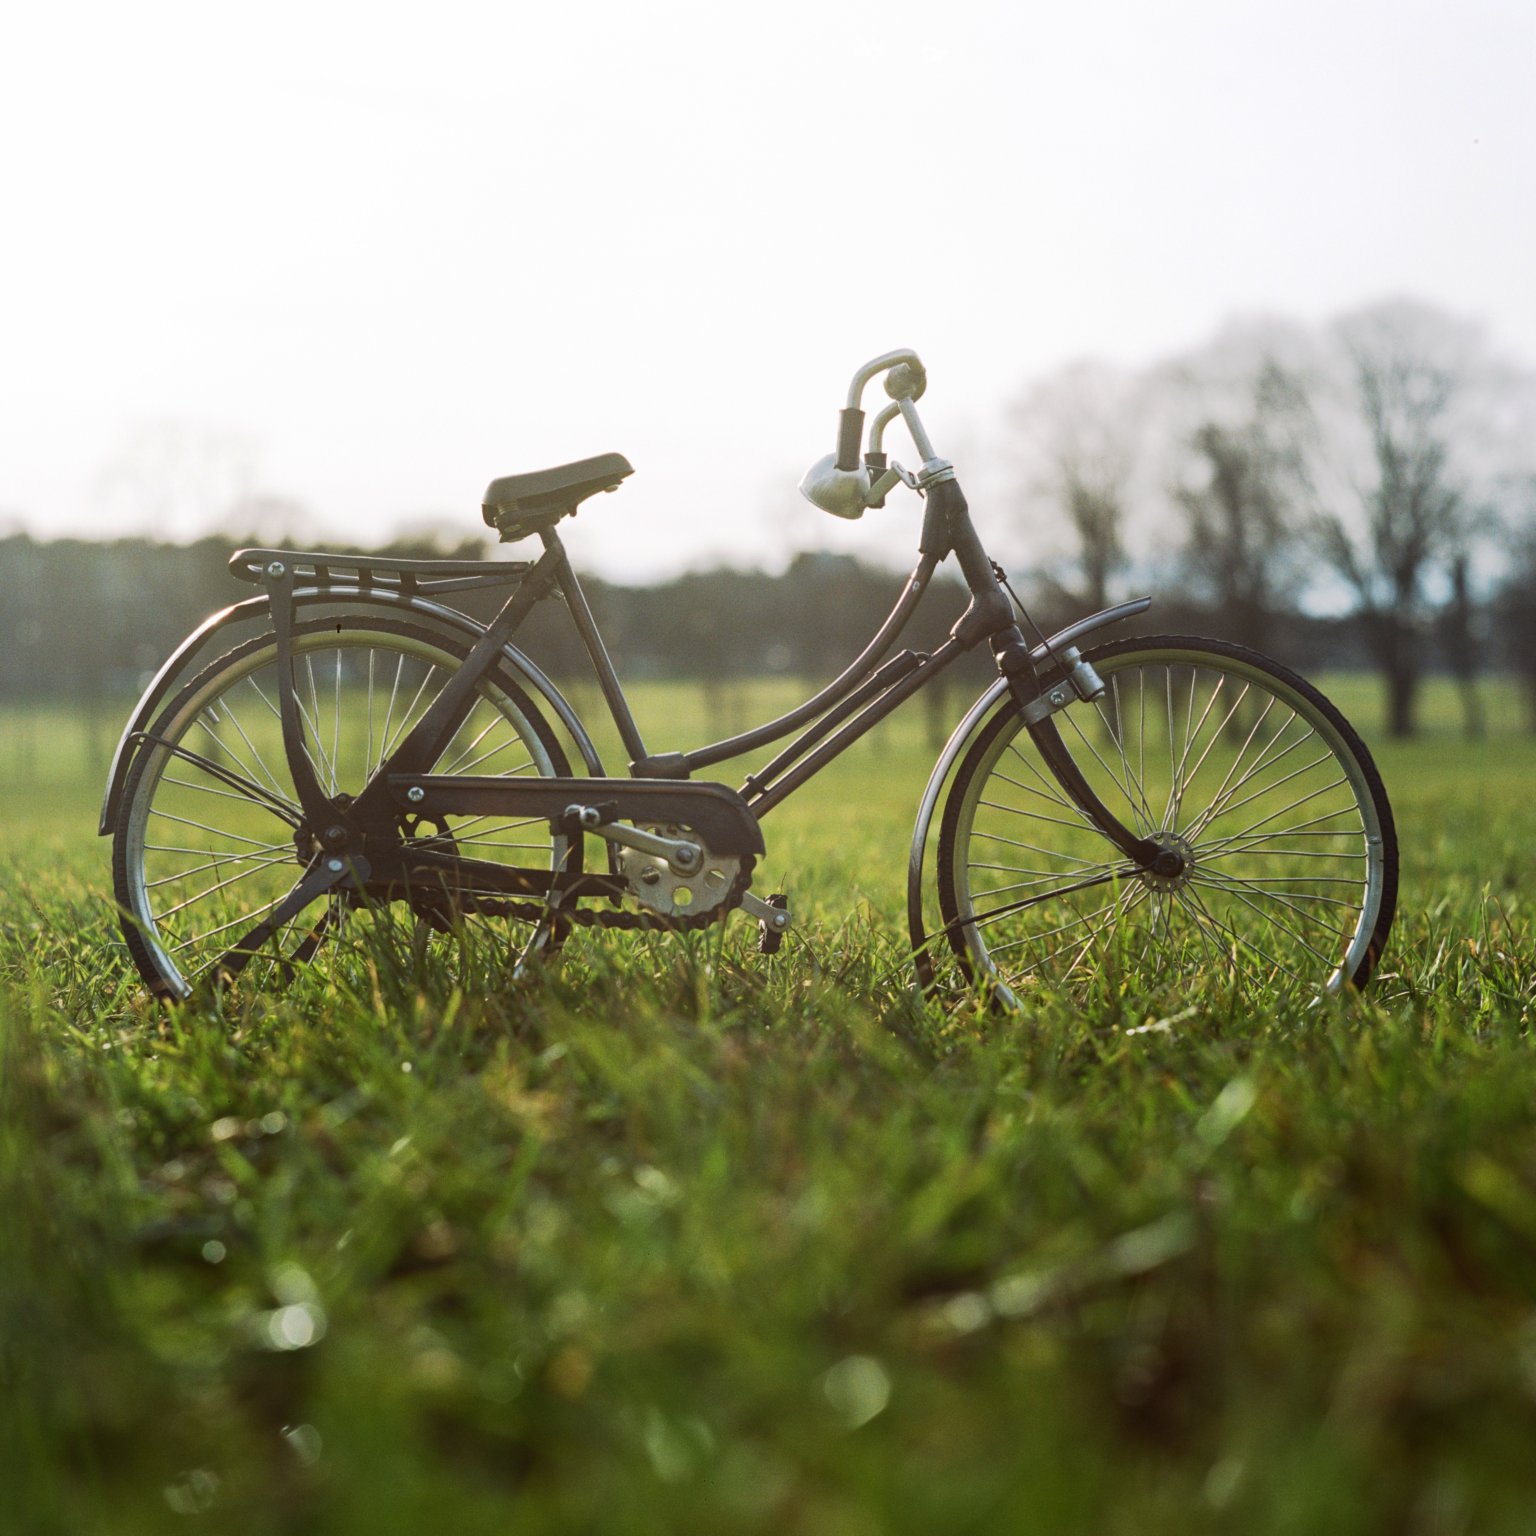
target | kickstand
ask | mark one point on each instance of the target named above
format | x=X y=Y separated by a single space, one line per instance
x=550 y=930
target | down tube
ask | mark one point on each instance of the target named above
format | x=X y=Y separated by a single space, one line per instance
x=871 y=715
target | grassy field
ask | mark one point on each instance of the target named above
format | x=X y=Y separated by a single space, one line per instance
x=679 y=1238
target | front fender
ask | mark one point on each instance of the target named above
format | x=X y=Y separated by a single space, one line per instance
x=955 y=748
x=256 y=608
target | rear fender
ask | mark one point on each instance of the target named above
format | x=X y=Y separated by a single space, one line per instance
x=256 y=608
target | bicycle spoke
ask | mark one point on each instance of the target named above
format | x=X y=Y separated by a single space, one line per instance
x=406 y=720
x=1285 y=810
x=1240 y=939
x=321 y=775
x=1267 y=890
x=1216 y=735
x=222 y=885
x=980 y=919
x=311 y=717
x=1217 y=955
x=1122 y=905
x=1122 y=909
x=1104 y=872
x=227 y=794
x=1053 y=821
x=384 y=735
x=1050 y=853
x=1117 y=735
x=1071 y=718
x=1309 y=828
x=1274 y=922
x=1192 y=731
x=281 y=853
x=1049 y=933
x=1207 y=749
x=1051 y=792
x=1216 y=810
x=1242 y=751
x=233 y=715
x=202 y=826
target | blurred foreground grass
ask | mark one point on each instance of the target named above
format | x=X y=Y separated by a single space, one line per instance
x=680 y=1239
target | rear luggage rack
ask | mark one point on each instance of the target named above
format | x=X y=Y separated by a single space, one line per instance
x=375 y=572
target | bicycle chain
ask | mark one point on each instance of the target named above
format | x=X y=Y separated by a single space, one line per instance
x=629 y=922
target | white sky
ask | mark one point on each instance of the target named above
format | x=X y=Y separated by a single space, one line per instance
x=365 y=258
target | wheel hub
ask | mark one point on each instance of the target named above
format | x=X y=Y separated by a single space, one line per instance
x=1174 y=865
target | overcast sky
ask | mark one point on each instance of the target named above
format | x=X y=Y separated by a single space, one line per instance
x=365 y=258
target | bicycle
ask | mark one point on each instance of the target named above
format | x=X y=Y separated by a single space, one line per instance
x=367 y=764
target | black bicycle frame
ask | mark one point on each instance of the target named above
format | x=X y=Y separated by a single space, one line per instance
x=857 y=700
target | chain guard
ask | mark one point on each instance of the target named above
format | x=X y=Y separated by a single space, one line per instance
x=737 y=878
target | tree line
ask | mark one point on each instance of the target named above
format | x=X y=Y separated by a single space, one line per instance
x=91 y=621
x=1361 y=495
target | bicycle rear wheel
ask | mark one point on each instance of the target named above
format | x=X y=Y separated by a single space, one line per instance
x=1243 y=768
x=210 y=836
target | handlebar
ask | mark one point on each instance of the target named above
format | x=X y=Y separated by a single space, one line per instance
x=841 y=482
x=845 y=483
x=906 y=379
x=879 y=365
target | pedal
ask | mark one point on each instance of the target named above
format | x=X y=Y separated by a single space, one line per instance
x=772 y=920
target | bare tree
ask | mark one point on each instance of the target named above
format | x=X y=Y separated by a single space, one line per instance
x=1515 y=605
x=1078 y=435
x=1416 y=509
x=1461 y=646
x=1241 y=512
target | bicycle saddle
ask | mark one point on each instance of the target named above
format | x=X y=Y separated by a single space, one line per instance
x=517 y=505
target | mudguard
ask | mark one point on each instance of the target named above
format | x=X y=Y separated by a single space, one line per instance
x=955 y=748
x=395 y=603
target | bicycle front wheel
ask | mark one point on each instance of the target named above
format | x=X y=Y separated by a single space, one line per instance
x=211 y=837
x=1244 y=769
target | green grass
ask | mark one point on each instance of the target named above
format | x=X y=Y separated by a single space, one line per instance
x=683 y=1239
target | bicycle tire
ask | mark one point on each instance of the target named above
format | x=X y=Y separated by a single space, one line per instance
x=227 y=856
x=1032 y=895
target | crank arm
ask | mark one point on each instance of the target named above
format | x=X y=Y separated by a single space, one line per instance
x=777 y=918
x=685 y=858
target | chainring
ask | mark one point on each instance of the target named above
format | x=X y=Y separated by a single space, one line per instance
x=659 y=888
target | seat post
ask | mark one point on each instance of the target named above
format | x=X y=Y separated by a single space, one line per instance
x=586 y=626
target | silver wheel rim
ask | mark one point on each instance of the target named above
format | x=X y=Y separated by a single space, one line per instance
x=1215 y=757
x=202 y=859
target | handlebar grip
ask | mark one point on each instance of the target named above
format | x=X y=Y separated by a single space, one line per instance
x=850 y=437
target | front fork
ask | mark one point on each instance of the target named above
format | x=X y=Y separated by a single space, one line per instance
x=947 y=526
x=1071 y=679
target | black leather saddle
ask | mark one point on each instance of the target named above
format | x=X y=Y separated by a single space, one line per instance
x=517 y=505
